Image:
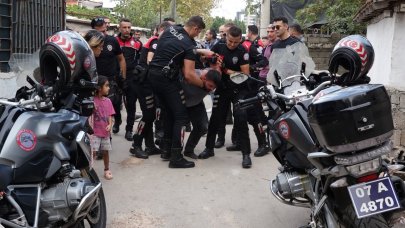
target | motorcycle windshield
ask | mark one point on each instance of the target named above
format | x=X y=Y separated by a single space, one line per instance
x=288 y=61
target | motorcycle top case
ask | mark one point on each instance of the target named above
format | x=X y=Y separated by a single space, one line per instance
x=351 y=118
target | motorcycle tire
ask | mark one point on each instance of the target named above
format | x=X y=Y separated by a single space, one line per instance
x=97 y=217
x=350 y=220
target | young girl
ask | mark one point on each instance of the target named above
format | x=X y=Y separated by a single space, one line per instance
x=102 y=123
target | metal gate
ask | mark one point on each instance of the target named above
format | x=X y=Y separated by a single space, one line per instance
x=25 y=25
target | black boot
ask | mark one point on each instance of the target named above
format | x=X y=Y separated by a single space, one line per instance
x=246 y=162
x=188 y=152
x=263 y=149
x=116 y=127
x=233 y=147
x=128 y=135
x=151 y=149
x=177 y=160
x=206 y=153
x=165 y=146
x=136 y=148
x=219 y=143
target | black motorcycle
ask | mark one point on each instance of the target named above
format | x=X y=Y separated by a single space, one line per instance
x=45 y=174
x=331 y=142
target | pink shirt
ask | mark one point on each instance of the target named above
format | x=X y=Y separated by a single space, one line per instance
x=103 y=109
x=266 y=54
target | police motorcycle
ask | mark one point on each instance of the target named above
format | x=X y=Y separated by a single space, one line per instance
x=331 y=135
x=45 y=174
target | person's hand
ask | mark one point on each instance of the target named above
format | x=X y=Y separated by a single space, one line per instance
x=205 y=52
x=108 y=128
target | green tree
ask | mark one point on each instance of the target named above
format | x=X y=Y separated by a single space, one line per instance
x=218 y=21
x=339 y=15
x=85 y=13
x=145 y=13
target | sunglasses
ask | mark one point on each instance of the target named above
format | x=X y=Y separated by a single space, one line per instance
x=99 y=19
x=276 y=27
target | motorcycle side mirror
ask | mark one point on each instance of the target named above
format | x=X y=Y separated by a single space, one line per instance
x=238 y=78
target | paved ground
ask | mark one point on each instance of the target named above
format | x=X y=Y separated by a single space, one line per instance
x=216 y=193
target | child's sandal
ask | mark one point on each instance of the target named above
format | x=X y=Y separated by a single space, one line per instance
x=108 y=175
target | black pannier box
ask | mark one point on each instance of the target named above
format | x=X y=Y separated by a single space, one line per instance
x=352 y=118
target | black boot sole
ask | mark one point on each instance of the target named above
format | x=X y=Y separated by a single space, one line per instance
x=181 y=166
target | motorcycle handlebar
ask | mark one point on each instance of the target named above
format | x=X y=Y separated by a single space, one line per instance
x=248 y=101
x=274 y=95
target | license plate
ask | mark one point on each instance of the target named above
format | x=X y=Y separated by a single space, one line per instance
x=373 y=197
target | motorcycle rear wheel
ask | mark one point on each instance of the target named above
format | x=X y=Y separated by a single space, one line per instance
x=97 y=217
x=350 y=220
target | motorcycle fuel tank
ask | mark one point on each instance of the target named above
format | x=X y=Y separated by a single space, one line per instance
x=293 y=127
x=31 y=141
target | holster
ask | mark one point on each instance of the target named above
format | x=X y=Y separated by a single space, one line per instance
x=140 y=73
x=171 y=72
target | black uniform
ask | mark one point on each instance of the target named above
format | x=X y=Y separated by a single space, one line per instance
x=131 y=50
x=256 y=116
x=107 y=65
x=144 y=93
x=150 y=46
x=230 y=92
x=173 y=47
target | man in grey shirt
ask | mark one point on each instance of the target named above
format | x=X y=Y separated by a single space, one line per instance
x=196 y=109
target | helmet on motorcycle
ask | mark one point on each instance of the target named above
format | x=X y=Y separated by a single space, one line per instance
x=65 y=58
x=355 y=54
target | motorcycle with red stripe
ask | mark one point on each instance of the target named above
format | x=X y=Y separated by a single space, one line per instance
x=331 y=134
x=46 y=178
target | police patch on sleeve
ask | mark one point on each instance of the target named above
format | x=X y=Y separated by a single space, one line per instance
x=154 y=46
x=246 y=56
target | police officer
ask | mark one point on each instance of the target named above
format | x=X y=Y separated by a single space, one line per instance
x=175 y=52
x=107 y=66
x=223 y=29
x=256 y=116
x=234 y=59
x=146 y=99
x=131 y=49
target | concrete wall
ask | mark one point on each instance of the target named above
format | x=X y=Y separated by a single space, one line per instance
x=388 y=39
x=398 y=114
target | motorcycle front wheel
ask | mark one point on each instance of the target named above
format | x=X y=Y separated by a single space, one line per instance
x=97 y=217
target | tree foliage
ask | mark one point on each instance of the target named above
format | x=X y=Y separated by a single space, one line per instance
x=85 y=13
x=146 y=13
x=339 y=15
x=218 y=21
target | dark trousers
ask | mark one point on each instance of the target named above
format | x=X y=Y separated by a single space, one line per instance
x=172 y=101
x=137 y=91
x=146 y=100
x=199 y=119
x=116 y=100
x=222 y=99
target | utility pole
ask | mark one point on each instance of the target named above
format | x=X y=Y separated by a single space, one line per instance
x=173 y=9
